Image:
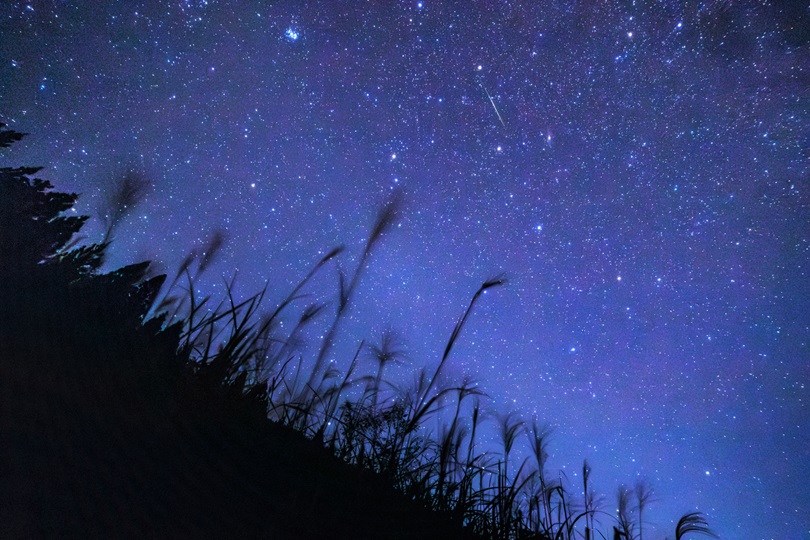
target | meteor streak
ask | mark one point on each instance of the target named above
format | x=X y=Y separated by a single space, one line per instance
x=493 y=106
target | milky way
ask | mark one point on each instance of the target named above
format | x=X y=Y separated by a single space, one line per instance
x=638 y=170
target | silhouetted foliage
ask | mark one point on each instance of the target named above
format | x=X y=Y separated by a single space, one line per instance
x=115 y=426
x=8 y=136
x=127 y=192
x=693 y=522
x=128 y=409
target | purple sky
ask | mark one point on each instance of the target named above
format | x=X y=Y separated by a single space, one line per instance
x=637 y=169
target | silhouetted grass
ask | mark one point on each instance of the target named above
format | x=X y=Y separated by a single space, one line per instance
x=132 y=407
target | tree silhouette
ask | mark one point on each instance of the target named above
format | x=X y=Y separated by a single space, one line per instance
x=78 y=366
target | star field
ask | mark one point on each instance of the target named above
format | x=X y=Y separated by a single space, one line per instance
x=638 y=170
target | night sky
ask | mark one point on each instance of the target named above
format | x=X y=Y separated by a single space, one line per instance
x=638 y=170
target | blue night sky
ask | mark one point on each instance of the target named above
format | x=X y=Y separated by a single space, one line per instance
x=637 y=169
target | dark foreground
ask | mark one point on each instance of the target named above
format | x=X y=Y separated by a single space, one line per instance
x=110 y=429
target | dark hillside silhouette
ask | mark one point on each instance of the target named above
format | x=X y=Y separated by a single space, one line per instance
x=129 y=411
x=109 y=431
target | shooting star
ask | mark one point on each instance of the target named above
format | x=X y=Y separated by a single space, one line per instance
x=493 y=106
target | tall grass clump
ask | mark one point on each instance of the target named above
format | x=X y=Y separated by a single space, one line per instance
x=163 y=413
x=384 y=427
